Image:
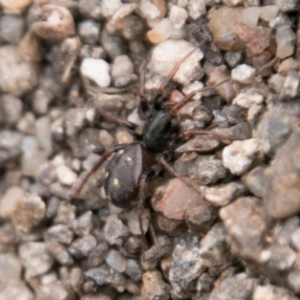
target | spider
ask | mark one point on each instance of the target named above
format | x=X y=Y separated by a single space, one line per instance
x=134 y=164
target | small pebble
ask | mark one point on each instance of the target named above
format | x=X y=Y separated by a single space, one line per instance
x=96 y=70
x=254 y=181
x=221 y=74
x=243 y=74
x=11 y=29
x=16 y=290
x=134 y=270
x=233 y=58
x=278 y=257
x=15 y=7
x=98 y=254
x=10 y=201
x=83 y=225
x=58 y=23
x=89 y=32
x=268 y=12
x=178 y=201
x=109 y=7
x=239 y=156
x=213 y=247
x=221 y=195
x=207 y=169
x=296 y=239
x=81 y=247
x=287 y=6
x=154 y=287
x=248 y=98
x=251 y=214
x=168 y=53
x=290 y=86
x=133 y=222
x=196 y=8
x=235 y=287
x=115 y=231
x=29 y=212
x=160 y=32
x=11 y=109
x=35 y=258
x=152 y=10
x=196 y=85
x=294 y=282
x=121 y=65
x=276 y=82
x=177 y=16
x=272 y=292
x=65 y=175
x=251 y=16
x=43 y=133
x=224 y=24
x=186 y=262
x=116 y=260
x=17 y=76
x=285 y=38
x=65 y=213
x=277 y=123
x=32 y=162
x=90 y=9
x=282 y=200
x=61 y=233
x=10 y=268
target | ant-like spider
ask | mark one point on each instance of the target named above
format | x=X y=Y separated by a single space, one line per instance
x=133 y=164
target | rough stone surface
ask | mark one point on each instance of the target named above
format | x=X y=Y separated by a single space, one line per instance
x=164 y=62
x=154 y=287
x=17 y=75
x=247 y=243
x=240 y=155
x=282 y=200
x=35 y=259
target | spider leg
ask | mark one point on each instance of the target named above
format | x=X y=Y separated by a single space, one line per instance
x=142 y=188
x=189 y=97
x=76 y=190
x=174 y=70
x=174 y=173
x=124 y=123
x=189 y=133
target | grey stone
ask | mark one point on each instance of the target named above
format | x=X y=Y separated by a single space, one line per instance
x=89 y=32
x=61 y=233
x=115 y=231
x=154 y=287
x=186 y=263
x=207 y=169
x=18 y=76
x=35 y=258
x=237 y=287
x=10 y=268
x=81 y=247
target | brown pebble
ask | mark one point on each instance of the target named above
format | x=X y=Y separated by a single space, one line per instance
x=57 y=23
x=177 y=201
x=282 y=195
x=225 y=90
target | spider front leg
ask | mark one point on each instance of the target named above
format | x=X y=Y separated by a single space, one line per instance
x=77 y=189
x=162 y=161
x=124 y=123
x=143 y=105
x=141 y=199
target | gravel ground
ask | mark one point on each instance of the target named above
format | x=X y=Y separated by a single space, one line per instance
x=237 y=239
